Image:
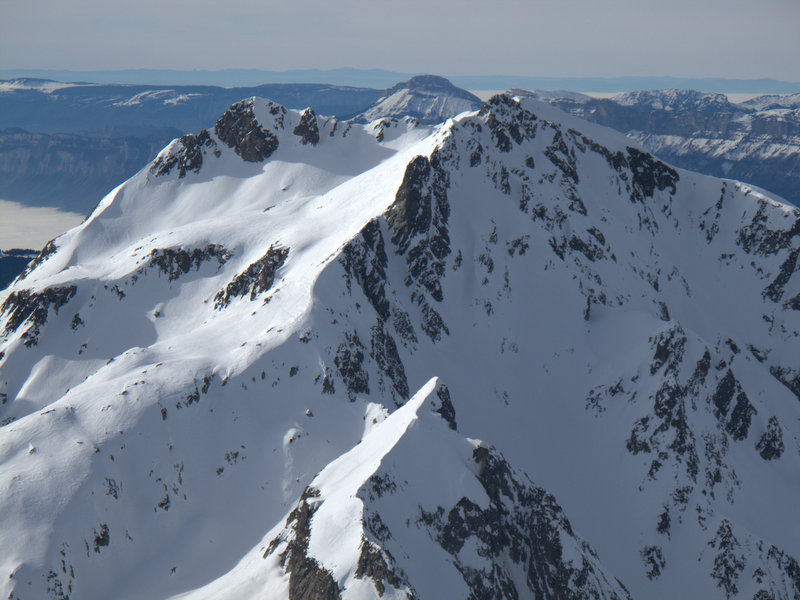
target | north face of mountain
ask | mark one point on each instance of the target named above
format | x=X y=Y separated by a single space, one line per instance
x=757 y=141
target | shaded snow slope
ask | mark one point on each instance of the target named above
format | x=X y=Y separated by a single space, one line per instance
x=187 y=375
x=757 y=141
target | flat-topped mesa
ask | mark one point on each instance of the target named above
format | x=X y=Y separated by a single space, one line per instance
x=675 y=99
x=429 y=98
x=431 y=84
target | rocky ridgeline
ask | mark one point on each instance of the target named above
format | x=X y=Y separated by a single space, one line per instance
x=756 y=141
x=238 y=129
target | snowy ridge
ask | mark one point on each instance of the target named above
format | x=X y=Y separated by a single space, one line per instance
x=185 y=373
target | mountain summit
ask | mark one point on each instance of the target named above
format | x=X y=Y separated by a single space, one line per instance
x=513 y=355
x=428 y=98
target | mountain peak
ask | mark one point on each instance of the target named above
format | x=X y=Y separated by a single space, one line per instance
x=432 y=84
x=428 y=98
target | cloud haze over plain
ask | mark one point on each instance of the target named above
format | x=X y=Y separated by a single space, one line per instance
x=608 y=38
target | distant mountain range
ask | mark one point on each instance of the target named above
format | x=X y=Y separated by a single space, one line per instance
x=757 y=141
x=427 y=98
x=66 y=145
x=380 y=78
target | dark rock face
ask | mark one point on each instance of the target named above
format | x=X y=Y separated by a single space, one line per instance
x=525 y=525
x=729 y=561
x=188 y=158
x=667 y=433
x=777 y=560
x=563 y=158
x=508 y=123
x=389 y=123
x=307 y=579
x=349 y=360
x=418 y=219
x=239 y=129
x=383 y=350
x=45 y=253
x=372 y=565
x=101 y=538
x=445 y=406
x=759 y=238
x=256 y=279
x=410 y=214
x=364 y=259
x=26 y=305
x=176 y=262
x=654 y=561
x=650 y=174
x=741 y=415
x=307 y=128
x=770 y=445
x=774 y=291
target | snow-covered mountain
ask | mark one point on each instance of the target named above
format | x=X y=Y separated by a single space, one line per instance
x=513 y=355
x=428 y=98
x=674 y=100
x=773 y=101
x=65 y=145
x=757 y=141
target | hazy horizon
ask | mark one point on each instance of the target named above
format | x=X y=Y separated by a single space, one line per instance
x=382 y=78
x=544 y=38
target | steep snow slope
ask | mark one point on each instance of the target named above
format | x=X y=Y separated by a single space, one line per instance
x=757 y=141
x=359 y=511
x=186 y=377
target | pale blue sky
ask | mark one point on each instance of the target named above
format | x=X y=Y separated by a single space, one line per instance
x=607 y=38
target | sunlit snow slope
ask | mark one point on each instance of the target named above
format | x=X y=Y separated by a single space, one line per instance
x=508 y=356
